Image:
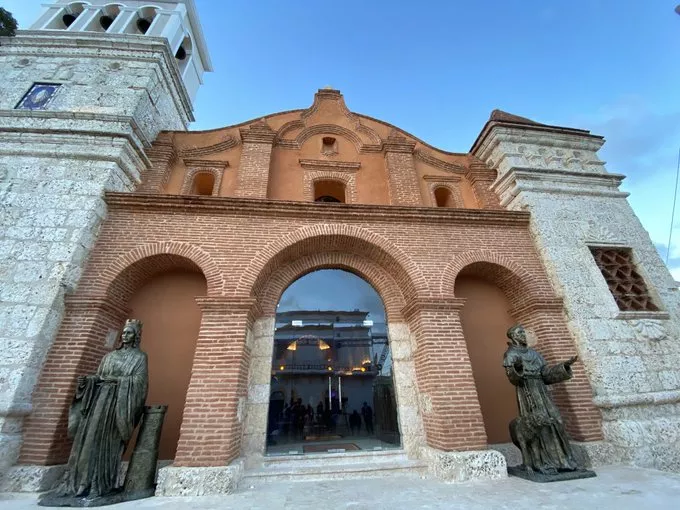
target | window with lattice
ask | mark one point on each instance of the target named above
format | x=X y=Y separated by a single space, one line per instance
x=625 y=283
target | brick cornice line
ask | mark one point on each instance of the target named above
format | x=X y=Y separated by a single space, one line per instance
x=205 y=163
x=259 y=132
x=82 y=302
x=399 y=145
x=445 y=304
x=251 y=207
x=442 y=178
x=225 y=145
x=431 y=160
x=322 y=164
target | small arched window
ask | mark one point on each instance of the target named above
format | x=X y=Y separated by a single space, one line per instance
x=443 y=197
x=142 y=21
x=204 y=184
x=67 y=16
x=329 y=191
x=183 y=53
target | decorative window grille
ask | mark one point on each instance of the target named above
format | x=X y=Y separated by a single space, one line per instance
x=625 y=283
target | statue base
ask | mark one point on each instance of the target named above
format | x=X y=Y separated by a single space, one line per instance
x=59 y=500
x=561 y=476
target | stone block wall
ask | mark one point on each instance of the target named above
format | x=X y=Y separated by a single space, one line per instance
x=632 y=357
x=117 y=92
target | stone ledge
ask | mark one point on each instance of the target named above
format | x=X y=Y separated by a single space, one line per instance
x=30 y=478
x=453 y=467
x=199 y=481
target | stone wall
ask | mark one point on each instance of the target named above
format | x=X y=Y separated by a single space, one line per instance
x=632 y=358
x=117 y=92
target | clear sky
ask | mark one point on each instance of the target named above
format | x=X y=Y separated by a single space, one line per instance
x=438 y=68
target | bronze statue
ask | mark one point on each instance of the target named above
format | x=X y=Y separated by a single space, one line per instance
x=106 y=409
x=538 y=432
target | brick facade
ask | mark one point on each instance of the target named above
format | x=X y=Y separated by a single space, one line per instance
x=261 y=231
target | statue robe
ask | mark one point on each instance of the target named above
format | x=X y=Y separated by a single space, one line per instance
x=106 y=409
x=537 y=409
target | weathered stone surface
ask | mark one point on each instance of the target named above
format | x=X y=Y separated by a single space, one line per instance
x=204 y=481
x=465 y=466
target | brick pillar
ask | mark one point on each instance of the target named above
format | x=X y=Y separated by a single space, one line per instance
x=481 y=178
x=574 y=398
x=253 y=171
x=77 y=350
x=211 y=426
x=451 y=413
x=401 y=171
x=162 y=154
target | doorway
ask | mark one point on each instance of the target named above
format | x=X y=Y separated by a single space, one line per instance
x=332 y=388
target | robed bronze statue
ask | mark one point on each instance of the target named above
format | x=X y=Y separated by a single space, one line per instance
x=538 y=432
x=106 y=409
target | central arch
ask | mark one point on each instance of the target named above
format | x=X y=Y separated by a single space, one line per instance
x=303 y=252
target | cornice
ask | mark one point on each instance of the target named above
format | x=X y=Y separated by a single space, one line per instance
x=205 y=163
x=336 y=166
x=443 y=304
x=222 y=146
x=431 y=160
x=260 y=132
x=228 y=206
x=442 y=178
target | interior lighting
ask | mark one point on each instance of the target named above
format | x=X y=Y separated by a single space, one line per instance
x=323 y=345
x=282 y=367
x=292 y=346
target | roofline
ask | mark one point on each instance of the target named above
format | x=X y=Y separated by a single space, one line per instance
x=490 y=124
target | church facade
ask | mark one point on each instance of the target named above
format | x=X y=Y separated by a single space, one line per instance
x=112 y=209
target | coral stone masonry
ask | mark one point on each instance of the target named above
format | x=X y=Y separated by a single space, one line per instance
x=111 y=209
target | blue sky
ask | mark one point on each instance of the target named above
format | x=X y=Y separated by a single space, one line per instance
x=438 y=68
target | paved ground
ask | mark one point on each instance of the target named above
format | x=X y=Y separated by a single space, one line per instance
x=618 y=488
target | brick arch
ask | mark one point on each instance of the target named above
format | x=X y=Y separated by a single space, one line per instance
x=333 y=129
x=517 y=283
x=325 y=238
x=124 y=275
x=269 y=293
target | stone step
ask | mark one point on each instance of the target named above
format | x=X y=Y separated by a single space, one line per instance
x=320 y=467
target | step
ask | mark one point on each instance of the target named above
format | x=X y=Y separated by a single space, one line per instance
x=333 y=466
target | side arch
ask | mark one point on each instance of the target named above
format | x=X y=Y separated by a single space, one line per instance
x=507 y=274
x=145 y=261
x=333 y=238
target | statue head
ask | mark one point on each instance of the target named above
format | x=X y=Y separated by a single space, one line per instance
x=517 y=335
x=132 y=333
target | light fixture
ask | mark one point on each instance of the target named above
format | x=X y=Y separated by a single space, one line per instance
x=363 y=369
x=323 y=345
x=330 y=368
x=282 y=367
x=292 y=346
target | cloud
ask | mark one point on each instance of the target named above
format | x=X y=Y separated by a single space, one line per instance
x=642 y=143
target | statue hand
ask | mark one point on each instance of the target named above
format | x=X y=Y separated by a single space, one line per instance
x=571 y=361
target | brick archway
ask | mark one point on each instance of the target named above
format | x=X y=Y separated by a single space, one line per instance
x=117 y=281
x=326 y=238
x=270 y=291
x=517 y=283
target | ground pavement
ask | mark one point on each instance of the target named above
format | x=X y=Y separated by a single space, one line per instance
x=619 y=488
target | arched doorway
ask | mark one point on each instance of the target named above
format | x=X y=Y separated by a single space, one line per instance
x=331 y=384
x=171 y=319
x=485 y=319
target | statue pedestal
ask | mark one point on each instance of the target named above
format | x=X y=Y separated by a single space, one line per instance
x=120 y=496
x=534 y=476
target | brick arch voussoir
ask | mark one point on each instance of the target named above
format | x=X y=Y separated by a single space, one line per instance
x=106 y=280
x=384 y=284
x=463 y=260
x=313 y=238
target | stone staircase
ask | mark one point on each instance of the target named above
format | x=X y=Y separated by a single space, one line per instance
x=333 y=466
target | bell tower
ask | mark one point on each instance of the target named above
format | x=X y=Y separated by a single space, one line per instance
x=86 y=90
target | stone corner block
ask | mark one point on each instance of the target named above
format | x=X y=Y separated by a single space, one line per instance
x=199 y=481
x=32 y=478
x=453 y=467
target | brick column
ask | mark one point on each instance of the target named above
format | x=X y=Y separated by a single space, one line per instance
x=253 y=171
x=481 y=178
x=88 y=331
x=211 y=426
x=451 y=413
x=162 y=154
x=574 y=398
x=401 y=171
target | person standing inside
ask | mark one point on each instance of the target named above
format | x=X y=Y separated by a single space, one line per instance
x=367 y=413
